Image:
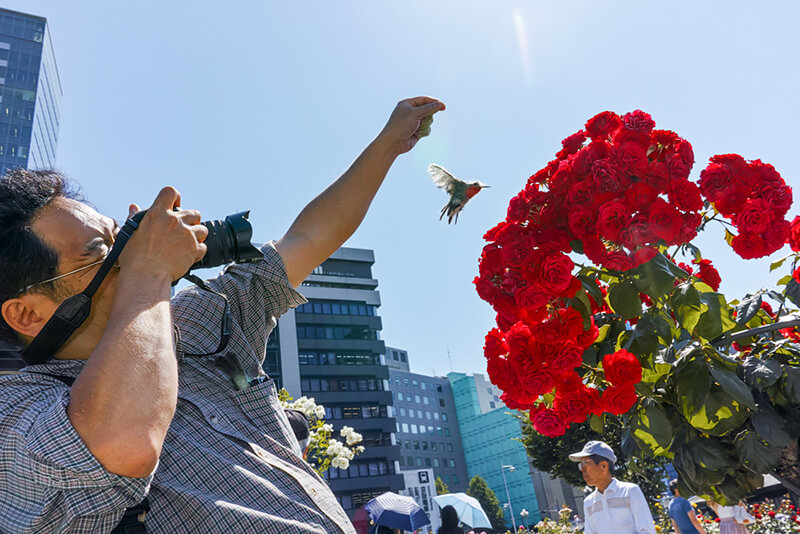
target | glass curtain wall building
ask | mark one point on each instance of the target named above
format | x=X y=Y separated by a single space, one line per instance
x=330 y=349
x=488 y=433
x=30 y=92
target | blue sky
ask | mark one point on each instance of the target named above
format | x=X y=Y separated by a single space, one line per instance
x=260 y=105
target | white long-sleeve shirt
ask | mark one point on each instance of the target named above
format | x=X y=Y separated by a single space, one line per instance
x=620 y=509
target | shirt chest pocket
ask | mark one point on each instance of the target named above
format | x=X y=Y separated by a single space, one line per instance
x=619 y=508
x=260 y=404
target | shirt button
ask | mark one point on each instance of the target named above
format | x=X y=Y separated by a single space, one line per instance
x=313 y=492
x=213 y=419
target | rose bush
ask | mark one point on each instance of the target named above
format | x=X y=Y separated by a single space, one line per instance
x=598 y=316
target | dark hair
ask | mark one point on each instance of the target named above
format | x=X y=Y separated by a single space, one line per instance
x=673 y=486
x=596 y=458
x=24 y=258
x=449 y=516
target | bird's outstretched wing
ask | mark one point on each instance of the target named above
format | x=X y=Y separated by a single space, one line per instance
x=442 y=178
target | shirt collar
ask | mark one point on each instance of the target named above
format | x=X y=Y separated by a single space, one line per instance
x=612 y=487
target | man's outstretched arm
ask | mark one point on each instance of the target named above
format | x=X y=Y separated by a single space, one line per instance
x=332 y=217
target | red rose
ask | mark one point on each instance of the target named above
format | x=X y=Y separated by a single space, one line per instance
x=491 y=234
x=715 y=181
x=617 y=261
x=495 y=344
x=691 y=221
x=708 y=274
x=595 y=250
x=754 y=217
x=491 y=262
x=555 y=272
x=574 y=142
x=530 y=297
x=612 y=218
x=631 y=157
x=581 y=221
x=602 y=125
x=665 y=221
x=749 y=246
x=657 y=175
x=617 y=400
x=794 y=236
x=638 y=120
x=586 y=339
x=506 y=308
x=537 y=382
x=640 y=195
x=684 y=149
x=776 y=236
x=501 y=374
x=565 y=357
x=486 y=289
x=573 y=407
x=581 y=192
x=637 y=233
x=517 y=339
x=566 y=324
x=606 y=177
x=518 y=209
x=685 y=195
x=643 y=255
x=622 y=368
x=514 y=403
x=765 y=174
x=779 y=199
x=665 y=138
x=568 y=382
x=547 y=423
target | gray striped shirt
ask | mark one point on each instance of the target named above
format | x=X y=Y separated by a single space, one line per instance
x=230 y=462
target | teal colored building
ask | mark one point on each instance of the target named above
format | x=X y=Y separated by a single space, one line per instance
x=488 y=432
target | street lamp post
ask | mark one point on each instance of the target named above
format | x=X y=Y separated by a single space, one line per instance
x=508 y=497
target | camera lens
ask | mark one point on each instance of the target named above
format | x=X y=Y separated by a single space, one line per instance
x=228 y=241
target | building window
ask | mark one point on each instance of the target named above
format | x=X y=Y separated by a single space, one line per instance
x=402 y=412
x=423 y=386
x=449 y=447
x=444 y=417
x=447 y=432
x=405 y=428
x=425 y=400
x=413 y=429
x=407 y=443
x=403 y=357
x=454 y=478
x=427 y=461
x=491 y=404
x=418 y=461
x=415 y=383
x=400 y=396
x=438 y=388
x=435 y=462
x=452 y=462
x=417 y=399
x=441 y=402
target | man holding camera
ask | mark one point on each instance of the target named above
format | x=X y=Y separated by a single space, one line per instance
x=135 y=404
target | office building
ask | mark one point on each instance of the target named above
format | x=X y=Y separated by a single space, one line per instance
x=492 y=451
x=30 y=106
x=30 y=93
x=330 y=349
x=427 y=427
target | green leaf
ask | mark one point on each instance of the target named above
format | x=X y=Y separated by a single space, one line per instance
x=596 y=423
x=732 y=385
x=761 y=373
x=776 y=264
x=784 y=280
x=709 y=454
x=686 y=304
x=663 y=328
x=577 y=245
x=592 y=289
x=769 y=426
x=657 y=277
x=729 y=237
x=644 y=341
x=651 y=376
x=792 y=292
x=790 y=384
x=651 y=427
x=755 y=454
x=692 y=383
x=603 y=333
x=624 y=300
x=748 y=308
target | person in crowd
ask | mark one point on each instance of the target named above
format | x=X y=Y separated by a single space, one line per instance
x=614 y=507
x=683 y=515
x=449 y=518
x=732 y=519
x=135 y=410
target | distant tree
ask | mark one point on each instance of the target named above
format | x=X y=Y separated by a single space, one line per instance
x=491 y=505
x=551 y=455
x=441 y=487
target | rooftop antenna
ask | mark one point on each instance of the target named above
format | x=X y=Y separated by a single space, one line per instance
x=451 y=360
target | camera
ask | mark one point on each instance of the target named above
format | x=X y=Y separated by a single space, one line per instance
x=228 y=241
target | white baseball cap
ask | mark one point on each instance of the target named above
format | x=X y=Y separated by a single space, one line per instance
x=594 y=447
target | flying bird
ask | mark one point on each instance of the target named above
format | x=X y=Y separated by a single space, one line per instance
x=460 y=191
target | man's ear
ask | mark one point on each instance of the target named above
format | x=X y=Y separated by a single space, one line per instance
x=27 y=314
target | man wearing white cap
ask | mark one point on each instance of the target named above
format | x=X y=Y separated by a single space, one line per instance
x=614 y=507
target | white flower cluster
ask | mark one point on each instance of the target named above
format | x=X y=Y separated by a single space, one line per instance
x=307 y=406
x=351 y=436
